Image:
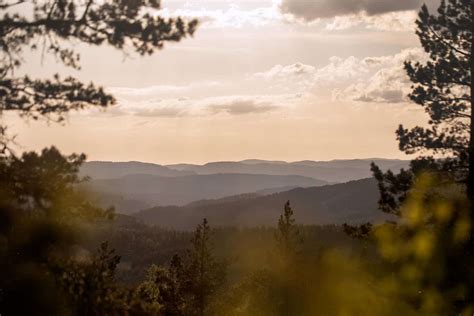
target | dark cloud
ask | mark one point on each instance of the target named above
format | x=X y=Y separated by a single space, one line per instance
x=240 y=107
x=382 y=96
x=314 y=9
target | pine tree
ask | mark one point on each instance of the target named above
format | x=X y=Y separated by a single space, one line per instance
x=203 y=273
x=57 y=24
x=443 y=87
x=163 y=287
x=288 y=241
x=287 y=236
x=39 y=197
x=40 y=206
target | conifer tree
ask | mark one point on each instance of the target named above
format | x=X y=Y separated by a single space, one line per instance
x=39 y=200
x=288 y=248
x=443 y=87
x=163 y=288
x=203 y=273
x=40 y=205
x=56 y=25
x=287 y=236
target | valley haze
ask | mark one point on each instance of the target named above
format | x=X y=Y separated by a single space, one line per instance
x=239 y=193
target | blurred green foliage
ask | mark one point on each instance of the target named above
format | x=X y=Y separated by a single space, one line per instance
x=49 y=233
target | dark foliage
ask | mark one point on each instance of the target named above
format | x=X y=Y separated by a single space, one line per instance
x=55 y=23
x=443 y=87
x=39 y=208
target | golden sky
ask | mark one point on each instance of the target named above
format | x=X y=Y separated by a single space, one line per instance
x=280 y=80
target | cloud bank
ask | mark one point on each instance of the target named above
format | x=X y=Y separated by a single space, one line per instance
x=322 y=9
x=380 y=79
x=352 y=80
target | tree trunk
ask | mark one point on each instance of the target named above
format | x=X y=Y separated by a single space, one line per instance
x=470 y=179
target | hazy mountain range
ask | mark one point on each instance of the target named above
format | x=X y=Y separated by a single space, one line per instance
x=354 y=202
x=156 y=190
x=112 y=170
x=245 y=192
x=330 y=171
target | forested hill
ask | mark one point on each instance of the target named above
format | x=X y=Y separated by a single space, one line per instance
x=353 y=202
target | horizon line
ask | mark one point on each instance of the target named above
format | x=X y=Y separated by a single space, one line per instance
x=247 y=160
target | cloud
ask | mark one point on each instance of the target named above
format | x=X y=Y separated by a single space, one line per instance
x=240 y=107
x=157 y=92
x=219 y=14
x=204 y=106
x=379 y=79
x=321 y=9
x=300 y=78
x=340 y=70
x=387 y=81
x=295 y=70
x=295 y=77
x=393 y=21
x=389 y=15
x=167 y=112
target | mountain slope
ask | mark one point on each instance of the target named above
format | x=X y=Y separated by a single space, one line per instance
x=353 y=202
x=155 y=190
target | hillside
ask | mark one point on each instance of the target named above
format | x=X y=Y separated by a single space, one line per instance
x=155 y=190
x=353 y=202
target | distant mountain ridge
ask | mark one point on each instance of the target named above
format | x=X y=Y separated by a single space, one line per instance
x=112 y=170
x=331 y=171
x=354 y=202
x=154 y=190
x=133 y=186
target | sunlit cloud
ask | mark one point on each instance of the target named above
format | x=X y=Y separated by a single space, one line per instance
x=297 y=77
x=228 y=14
x=378 y=79
x=160 y=91
x=202 y=107
x=387 y=81
x=370 y=79
x=312 y=10
x=394 y=21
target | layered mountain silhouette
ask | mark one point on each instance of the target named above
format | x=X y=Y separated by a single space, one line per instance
x=111 y=170
x=354 y=202
x=330 y=171
x=134 y=186
x=150 y=190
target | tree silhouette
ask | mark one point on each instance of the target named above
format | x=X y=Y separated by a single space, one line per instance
x=288 y=242
x=55 y=23
x=203 y=273
x=443 y=87
x=287 y=236
x=164 y=287
x=40 y=206
x=40 y=202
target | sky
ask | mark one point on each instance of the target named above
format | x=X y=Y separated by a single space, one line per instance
x=269 y=79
